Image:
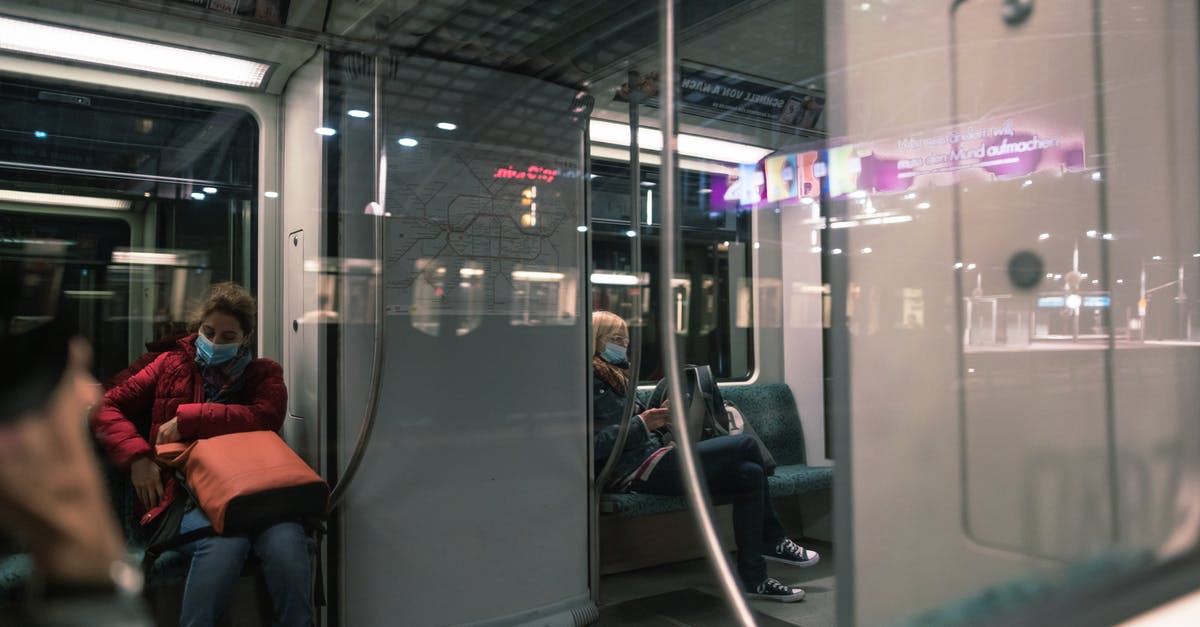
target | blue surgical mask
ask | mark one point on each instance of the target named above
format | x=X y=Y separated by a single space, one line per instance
x=615 y=355
x=210 y=354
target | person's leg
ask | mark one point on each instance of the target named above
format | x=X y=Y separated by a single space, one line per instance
x=283 y=550
x=730 y=469
x=216 y=563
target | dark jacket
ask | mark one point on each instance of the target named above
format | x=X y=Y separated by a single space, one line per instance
x=171 y=386
x=607 y=405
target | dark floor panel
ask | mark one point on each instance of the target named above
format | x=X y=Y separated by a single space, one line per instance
x=682 y=608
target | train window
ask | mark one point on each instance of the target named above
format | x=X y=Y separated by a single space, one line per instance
x=155 y=195
x=712 y=322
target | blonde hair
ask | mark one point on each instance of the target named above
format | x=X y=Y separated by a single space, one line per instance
x=606 y=324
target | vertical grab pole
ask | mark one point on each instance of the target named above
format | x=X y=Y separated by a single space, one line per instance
x=635 y=331
x=379 y=226
x=693 y=487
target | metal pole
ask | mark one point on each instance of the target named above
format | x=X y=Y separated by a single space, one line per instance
x=690 y=469
x=635 y=331
x=377 y=361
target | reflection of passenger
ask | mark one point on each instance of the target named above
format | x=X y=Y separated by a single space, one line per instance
x=732 y=466
x=209 y=385
x=52 y=495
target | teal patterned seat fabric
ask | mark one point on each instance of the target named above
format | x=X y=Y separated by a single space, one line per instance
x=795 y=479
x=14 y=574
x=771 y=410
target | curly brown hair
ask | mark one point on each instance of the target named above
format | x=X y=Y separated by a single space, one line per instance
x=230 y=299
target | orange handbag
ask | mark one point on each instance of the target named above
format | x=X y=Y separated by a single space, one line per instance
x=245 y=481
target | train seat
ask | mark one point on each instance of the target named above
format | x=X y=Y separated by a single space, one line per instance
x=15 y=571
x=771 y=410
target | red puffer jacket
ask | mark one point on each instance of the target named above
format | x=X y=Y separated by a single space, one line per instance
x=171 y=386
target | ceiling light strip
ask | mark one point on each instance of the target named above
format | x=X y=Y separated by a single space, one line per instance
x=63 y=200
x=616 y=133
x=128 y=54
x=41 y=167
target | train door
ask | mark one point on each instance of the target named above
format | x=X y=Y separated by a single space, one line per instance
x=1046 y=422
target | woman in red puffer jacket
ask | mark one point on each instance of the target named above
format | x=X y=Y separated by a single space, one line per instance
x=209 y=385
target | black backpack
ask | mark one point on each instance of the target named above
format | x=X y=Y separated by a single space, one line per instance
x=703 y=401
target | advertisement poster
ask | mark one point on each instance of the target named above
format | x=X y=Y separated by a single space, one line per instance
x=705 y=89
x=987 y=150
x=780 y=173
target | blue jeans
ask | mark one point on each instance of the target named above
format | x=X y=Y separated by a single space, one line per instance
x=217 y=562
x=733 y=467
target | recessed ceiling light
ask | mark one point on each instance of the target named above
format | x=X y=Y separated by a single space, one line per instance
x=407 y=142
x=41 y=134
x=358 y=113
x=581 y=228
x=705 y=190
x=198 y=195
x=128 y=54
x=447 y=126
x=271 y=194
x=648 y=183
x=210 y=190
x=325 y=131
x=631 y=233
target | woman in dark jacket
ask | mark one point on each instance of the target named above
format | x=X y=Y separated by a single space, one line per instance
x=733 y=466
x=209 y=385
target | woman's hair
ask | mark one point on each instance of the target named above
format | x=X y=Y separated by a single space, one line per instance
x=230 y=299
x=606 y=324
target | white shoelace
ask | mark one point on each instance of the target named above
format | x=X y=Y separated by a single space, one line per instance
x=787 y=546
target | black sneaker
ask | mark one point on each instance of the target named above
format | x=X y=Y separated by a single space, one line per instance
x=789 y=552
x=770 y=588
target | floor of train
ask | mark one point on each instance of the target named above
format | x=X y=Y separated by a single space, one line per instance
x=687 y=594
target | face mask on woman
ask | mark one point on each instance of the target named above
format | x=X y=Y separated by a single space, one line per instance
x=615 y=355
x=213 y=354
